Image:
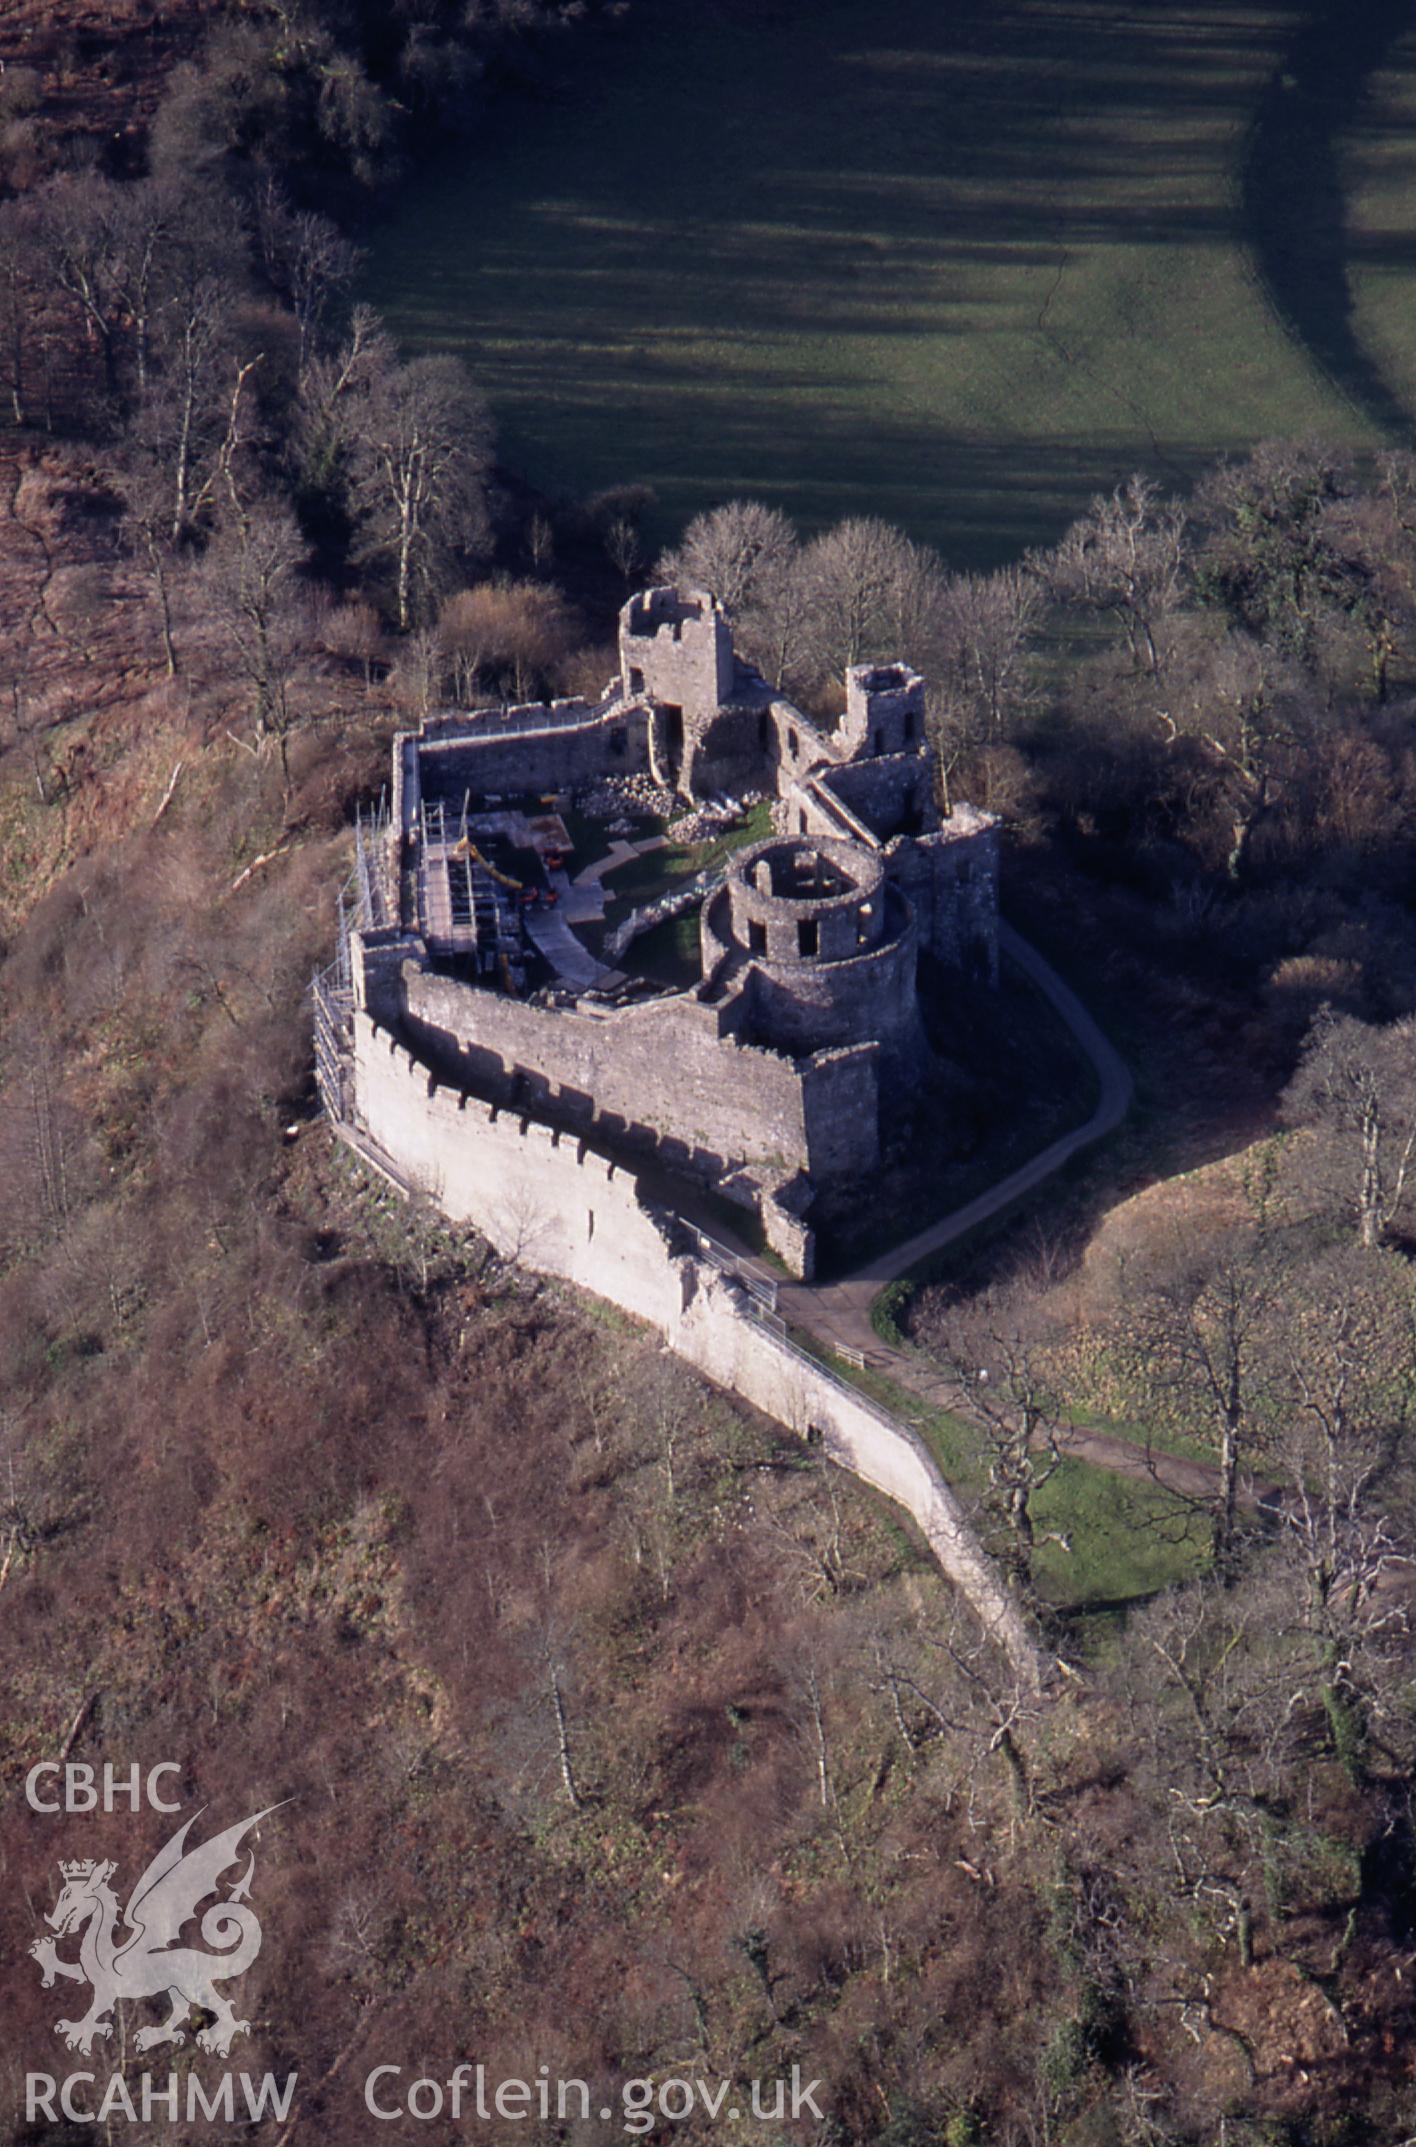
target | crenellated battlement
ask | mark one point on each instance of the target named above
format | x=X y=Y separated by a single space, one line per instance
x=787 y=1057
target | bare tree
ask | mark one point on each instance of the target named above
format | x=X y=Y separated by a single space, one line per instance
x=865 y=588
x=775 y=628
x=1244 y=703
x=1367 y=540
x=352 y=114
x=192 y=420
x=615 y=518
x=1357 y=1089
x=1202 y=1338
x=419 y=442
x=352 y=631
x=419 y=679
x=332 y=388
x=233 y=95
x=308 y=260
x=253 y=573
x=158 y=222
x=624 y=548
x=1126 y=556
x=21 y=276
x=949 y=1682
x=1002 y=1385
x=977 y=654
x=810 y=1680
x=735 y=551
x=1217 y=1653
x=37 y=1509
x=1345 y=1510
x=670 y=1409
x=545 y=1734
x=147 y=526
x=540 y=542
x=84 y=230
x=512 y=632
x=1268 y=556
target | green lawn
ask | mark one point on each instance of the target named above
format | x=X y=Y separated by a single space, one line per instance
x=669 y=954
x=1126 y=1539
x=641 y=880
x=958 y=265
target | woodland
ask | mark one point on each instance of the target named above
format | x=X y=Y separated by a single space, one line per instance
x=622 y=1737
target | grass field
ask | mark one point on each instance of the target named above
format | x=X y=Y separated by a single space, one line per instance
x=957 y=265
x=1378 y=172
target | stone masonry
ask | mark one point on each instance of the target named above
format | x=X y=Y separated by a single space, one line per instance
x=777 y=1071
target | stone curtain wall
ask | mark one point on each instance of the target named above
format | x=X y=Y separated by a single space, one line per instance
x=511 y=757
x=553 y=1204
x=716 y=1336
x=663 y=1073
x=542 y=1197
x=841 y=1099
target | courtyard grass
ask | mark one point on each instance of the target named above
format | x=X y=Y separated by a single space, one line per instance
x=960 y=267
x=644 y=879
x=670 y=952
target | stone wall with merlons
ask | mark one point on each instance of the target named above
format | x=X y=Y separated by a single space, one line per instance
x=668 y=1076
x=554 y=1204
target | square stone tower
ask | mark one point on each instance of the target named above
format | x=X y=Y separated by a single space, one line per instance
x=884 y=711
x=678 y=648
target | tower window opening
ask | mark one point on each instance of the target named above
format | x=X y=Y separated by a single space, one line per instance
x=636 y=681
x=808 y=936
x=756 y=937
x=879 y=740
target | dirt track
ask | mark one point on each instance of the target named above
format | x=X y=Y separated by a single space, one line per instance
x=837 y=1314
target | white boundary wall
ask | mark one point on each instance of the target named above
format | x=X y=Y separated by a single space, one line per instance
x=553 y=1203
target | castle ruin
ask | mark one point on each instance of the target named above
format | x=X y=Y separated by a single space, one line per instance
x=776 y=1071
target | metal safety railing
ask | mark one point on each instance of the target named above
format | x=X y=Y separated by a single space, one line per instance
x=760 y=1289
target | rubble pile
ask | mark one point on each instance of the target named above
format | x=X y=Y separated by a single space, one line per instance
x=615 y=797
x=712 y=818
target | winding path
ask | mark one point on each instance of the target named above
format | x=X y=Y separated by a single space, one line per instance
x=837 y=1314
x=836 y=1306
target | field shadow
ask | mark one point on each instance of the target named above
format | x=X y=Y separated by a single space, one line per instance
x=953 y=266
x=1294 y=206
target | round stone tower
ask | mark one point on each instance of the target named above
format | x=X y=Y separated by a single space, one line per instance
x=830 y=944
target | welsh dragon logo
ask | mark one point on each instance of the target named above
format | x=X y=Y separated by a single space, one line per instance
x=147 y=1962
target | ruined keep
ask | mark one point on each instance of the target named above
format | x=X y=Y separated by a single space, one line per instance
x=777 y=1071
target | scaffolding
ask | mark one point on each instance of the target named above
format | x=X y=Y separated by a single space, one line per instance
x=465 y=905
x=362 y=904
